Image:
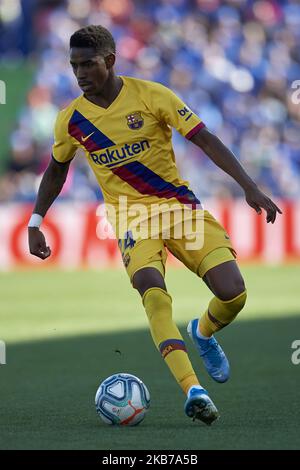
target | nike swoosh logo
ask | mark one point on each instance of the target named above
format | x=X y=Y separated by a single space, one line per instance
x=83 y=139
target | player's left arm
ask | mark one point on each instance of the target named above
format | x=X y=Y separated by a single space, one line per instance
x=225 y=159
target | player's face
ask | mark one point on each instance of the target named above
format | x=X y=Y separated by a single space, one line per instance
x=91 y=69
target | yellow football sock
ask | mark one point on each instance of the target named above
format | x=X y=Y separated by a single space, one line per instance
x=220 y=313
x=167 y=338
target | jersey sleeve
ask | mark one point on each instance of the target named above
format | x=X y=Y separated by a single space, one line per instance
x=173 y=111
x=64 y=148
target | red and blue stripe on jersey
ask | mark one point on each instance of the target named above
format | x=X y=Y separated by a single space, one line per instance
x=137 y=175
x=80 y=128
x=146 y=181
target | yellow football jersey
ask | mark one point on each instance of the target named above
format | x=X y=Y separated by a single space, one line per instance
x=128 y=145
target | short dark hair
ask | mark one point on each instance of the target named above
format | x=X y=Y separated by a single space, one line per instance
x=96 y=37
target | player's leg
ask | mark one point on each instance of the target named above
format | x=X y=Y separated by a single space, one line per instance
x=144 y=261
x=215 y=262
x=149 y=281
x=157 y=302
x=226 y=282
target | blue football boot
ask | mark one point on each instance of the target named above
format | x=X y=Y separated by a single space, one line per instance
x=215 y=361
x=198 y=405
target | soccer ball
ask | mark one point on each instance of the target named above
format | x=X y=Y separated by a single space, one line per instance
x=122 y=399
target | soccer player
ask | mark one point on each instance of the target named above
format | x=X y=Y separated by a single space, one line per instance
x=123 y=124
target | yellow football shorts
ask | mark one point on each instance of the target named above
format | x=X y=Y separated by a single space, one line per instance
x=214 y=248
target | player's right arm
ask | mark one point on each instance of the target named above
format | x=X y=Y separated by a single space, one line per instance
x=51 y=185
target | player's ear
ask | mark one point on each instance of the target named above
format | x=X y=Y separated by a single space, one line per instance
x=110 y=60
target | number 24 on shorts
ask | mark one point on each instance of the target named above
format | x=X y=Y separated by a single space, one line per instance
x=126 y=242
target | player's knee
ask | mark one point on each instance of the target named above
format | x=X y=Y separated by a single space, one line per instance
x=231 y=290
x=146 y=278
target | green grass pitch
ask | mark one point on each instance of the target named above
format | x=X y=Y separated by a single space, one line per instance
x=62 y=330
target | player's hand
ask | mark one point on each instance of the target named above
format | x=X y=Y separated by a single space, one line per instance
x=258 y=201
x=37 y=243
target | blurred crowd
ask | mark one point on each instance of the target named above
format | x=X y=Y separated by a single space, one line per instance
x=233 y=62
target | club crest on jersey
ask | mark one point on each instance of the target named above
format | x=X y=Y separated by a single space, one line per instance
x=135 y=120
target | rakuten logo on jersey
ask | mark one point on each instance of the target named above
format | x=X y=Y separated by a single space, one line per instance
x=111 y=158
